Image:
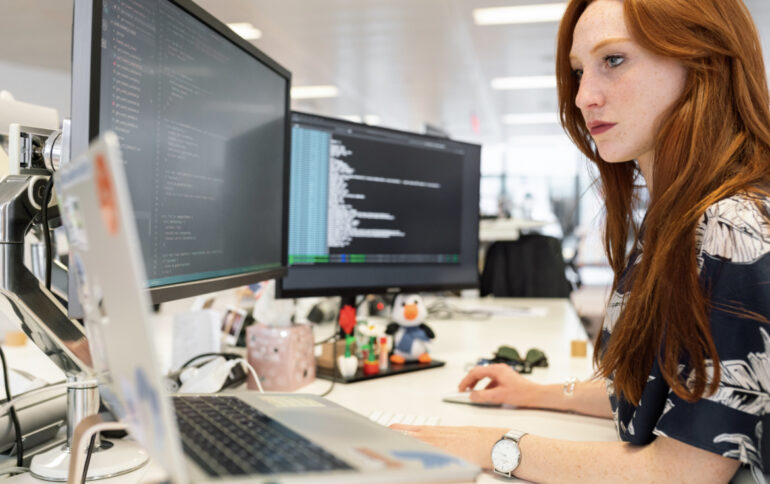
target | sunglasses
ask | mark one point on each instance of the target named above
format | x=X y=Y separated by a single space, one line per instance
x=510 y=356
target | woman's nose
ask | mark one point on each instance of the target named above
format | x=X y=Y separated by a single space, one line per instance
x=590 y=93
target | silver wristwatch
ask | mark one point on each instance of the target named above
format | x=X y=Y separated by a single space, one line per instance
x=506 y=455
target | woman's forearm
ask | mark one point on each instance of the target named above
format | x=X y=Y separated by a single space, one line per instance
x=588 y=398
x=664 y=460
x=549 y=460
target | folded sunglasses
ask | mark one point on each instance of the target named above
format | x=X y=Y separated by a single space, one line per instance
x=510 y=356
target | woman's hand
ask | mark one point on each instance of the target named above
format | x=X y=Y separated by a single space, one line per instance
x=473 y=444
x=506 y=386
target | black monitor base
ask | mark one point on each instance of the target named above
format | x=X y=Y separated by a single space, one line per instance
x=332 y=374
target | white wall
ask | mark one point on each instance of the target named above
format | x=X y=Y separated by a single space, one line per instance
x=37 y=85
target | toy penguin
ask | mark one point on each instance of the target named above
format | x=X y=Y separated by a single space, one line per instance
x=411 y=334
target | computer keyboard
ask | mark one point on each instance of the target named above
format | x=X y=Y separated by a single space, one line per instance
x=226 y=436
x=389 y=418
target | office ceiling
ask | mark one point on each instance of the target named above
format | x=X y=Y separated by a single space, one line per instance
x=409 y=62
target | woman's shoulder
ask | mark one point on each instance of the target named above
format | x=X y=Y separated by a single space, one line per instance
x=736 y=228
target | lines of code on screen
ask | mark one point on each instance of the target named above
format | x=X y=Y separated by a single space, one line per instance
x=201 y=127
x=359 y=198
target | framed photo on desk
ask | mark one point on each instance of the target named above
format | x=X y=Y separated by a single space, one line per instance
x=232 y=324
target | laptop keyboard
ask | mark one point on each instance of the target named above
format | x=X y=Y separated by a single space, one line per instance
x=227 y=436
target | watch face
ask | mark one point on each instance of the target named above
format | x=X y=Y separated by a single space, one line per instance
x=505 y=455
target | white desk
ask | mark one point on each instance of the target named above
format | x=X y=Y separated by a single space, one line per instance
x=460 y=343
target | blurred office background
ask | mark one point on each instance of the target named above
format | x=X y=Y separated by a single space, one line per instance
x=457 y=67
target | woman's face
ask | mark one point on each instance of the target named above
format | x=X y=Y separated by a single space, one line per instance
x=624 y=89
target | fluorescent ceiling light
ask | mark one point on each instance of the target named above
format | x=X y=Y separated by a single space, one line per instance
x=529 y=82
x=523 y=14
x=314 y=92
x=245 y=30
x=353 y=118
x=531 y=118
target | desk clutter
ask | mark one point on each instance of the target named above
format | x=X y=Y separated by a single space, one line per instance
x=282 y=352
x=370 y=350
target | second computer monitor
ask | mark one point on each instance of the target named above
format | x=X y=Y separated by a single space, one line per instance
x=375 y=210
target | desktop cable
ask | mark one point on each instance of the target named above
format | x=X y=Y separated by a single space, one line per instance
x=227 y=356
x=335 y=338
x=211 y=377
x=88 y=458
x=252 y=371
x=12 y=413
x=47 y=233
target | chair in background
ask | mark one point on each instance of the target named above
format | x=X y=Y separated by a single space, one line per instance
x=531 y=266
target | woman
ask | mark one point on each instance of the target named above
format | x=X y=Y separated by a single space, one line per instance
x=674 y=90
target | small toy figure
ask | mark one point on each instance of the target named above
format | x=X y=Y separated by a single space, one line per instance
x=370 y=331
x=347 y=320
x=383 y=353
x=348 y=363
x=411 y=334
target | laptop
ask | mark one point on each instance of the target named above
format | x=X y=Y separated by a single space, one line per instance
x=236 y=436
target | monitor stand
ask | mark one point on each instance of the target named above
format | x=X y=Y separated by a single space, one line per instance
x=108 y=458
x=348 y=307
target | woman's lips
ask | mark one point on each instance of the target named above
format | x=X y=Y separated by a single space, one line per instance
x=600 y=128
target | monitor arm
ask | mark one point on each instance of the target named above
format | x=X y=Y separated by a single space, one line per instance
x=35 y=155
x=23 y=297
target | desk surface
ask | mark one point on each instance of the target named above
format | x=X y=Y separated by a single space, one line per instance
x=548 y=324
x=551 y=324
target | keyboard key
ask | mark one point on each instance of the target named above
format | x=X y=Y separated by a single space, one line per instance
x=385 y=418
x=397 y=418
x=420 y=420
x=409 y=419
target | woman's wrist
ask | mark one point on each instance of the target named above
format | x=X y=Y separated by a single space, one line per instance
x=535 y=397
x=551 y=397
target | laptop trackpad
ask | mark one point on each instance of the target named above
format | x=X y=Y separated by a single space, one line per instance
x=337 y=423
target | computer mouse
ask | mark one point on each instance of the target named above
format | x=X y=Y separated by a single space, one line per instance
x=465 y=397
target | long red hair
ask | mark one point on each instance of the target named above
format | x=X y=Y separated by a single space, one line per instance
x=713 y=143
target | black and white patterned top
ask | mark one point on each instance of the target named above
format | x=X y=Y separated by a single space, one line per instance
x=733 y=243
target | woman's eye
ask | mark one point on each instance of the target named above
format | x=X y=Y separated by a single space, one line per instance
x=614 y=60
x=578 y=73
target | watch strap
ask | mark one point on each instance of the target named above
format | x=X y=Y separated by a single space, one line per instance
x=514 y=435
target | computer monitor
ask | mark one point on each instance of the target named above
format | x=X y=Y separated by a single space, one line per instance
x=203 y=121
x=375 y=210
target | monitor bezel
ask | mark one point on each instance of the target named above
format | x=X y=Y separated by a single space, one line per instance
x=86 y=69
x=282 y=292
